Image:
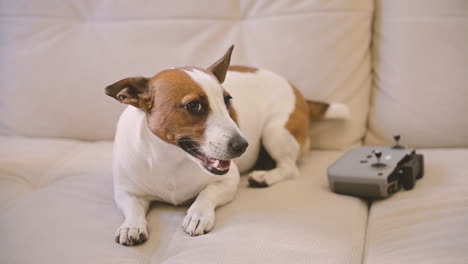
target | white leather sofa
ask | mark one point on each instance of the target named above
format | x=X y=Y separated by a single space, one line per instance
x=400 y=65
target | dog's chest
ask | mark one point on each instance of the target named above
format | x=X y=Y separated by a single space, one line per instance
x=179 y=183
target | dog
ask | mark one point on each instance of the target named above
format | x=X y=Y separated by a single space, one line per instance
x=188 y=133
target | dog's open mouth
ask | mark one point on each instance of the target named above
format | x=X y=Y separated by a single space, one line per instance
x=215 y=166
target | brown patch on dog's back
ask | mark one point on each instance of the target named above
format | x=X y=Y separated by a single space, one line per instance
x=168 y=119
x=240 y=68
x=317 y=109
x=299 y=120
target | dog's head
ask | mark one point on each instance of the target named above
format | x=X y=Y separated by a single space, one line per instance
x=188 y=107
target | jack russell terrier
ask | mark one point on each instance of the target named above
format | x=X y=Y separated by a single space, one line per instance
x=177 y=139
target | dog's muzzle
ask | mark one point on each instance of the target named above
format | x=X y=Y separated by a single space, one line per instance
x=213 y=165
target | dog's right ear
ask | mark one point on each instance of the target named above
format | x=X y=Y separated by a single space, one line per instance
x=134 y=91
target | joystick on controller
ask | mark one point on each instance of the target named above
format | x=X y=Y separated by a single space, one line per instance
x=397 y=142
x=378 y=164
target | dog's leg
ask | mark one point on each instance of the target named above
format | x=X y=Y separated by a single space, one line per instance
x=200 y=218
x=134 y=229
x=284 y=149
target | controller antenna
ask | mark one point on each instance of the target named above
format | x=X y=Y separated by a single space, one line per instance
x=378 y=155
x=397 y=142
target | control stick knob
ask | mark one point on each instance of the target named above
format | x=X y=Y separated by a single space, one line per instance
x=378 y=155
x=397 y=142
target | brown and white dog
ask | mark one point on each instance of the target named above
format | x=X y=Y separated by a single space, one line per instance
x=177 y=140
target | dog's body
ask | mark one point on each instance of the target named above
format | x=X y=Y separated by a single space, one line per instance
x=264 y=102
x=177 y=143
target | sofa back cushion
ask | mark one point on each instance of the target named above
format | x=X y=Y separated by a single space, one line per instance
x=57 y=56
x=421 y=73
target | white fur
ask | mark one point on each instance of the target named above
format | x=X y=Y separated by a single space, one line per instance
x=147 y=168
x=261 y=98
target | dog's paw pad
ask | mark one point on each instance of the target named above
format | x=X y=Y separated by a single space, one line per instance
x=198 y=222
x=258 y=179
x=132 y=234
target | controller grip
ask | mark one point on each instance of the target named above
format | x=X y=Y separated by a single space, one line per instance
x=406 y=177
x=412 y=168
x=420 y=162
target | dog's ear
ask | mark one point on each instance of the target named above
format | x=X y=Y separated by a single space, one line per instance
x=134 y=91
x=219 y=68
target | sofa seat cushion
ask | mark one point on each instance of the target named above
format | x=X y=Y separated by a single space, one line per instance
x=429 y=223
x=56 y=206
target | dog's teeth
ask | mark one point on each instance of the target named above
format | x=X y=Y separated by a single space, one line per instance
x=216 y=164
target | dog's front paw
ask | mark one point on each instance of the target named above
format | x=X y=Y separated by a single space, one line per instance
x=199 y=220
x=259 y=179
x=132 y=233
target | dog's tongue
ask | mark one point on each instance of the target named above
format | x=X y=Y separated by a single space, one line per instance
x=220 y=165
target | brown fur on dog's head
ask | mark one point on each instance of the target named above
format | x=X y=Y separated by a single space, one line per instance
x=168 y=98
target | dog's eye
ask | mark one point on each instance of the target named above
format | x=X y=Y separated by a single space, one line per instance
x=194 y=107
x=227 y=101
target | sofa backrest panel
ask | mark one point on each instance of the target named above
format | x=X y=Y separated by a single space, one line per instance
x=57 y=56
x=421 y=73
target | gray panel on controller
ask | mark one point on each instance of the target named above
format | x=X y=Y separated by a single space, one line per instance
x=354 y=174
x=365 y=190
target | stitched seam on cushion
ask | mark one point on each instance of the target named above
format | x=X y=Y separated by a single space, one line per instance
x=19 y=180
x=59 y=163
x=42 y=174
x=364 y=243
x=42 y=177
x=15 y=177
x=165 y=255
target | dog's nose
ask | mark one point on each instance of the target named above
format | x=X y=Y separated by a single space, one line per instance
x=238 y=145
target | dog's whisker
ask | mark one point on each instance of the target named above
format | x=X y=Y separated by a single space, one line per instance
x=190 y=140
x=194 y=148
